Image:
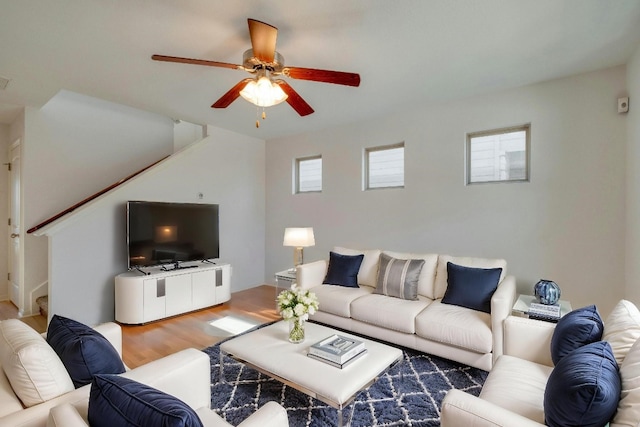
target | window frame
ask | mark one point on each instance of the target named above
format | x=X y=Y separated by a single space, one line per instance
x=296 y=174
x=499 y=131
x=366 y=179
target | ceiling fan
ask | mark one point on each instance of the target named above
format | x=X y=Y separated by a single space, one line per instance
x=264 y=62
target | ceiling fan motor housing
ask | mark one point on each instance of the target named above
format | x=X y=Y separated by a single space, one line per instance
x=251 y=63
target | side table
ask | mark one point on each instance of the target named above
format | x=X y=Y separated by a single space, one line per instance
x=284 y=280
x=522 y=304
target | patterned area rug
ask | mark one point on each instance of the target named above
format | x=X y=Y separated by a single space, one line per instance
x=409 y=394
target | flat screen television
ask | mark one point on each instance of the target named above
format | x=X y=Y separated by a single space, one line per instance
x=161 y=233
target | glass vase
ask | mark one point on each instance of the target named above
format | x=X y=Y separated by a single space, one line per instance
x=296 y=330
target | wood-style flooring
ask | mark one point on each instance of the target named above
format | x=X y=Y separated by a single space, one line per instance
x=10 y=311
x=144 y=343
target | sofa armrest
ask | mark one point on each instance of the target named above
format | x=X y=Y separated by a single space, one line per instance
x=463 y=409
x=185 y=375
x=501 y=305
x=528 y=339
x=311 y=274
x=269 y=415
x=65 y=415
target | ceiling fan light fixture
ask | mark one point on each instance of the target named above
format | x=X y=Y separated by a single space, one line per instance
x=263 y=92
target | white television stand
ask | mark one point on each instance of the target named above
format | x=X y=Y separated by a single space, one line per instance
x=142 y=298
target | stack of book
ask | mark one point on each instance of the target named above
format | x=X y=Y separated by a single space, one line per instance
x=549 y=313
x=337 y=350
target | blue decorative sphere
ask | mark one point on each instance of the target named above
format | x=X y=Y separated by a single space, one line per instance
x=547 y=292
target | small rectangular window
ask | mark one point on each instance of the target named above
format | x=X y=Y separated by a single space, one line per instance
x=384 y=167
x=308 y=174
x=498 y=155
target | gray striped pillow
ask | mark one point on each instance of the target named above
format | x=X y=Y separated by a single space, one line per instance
x=398 y=277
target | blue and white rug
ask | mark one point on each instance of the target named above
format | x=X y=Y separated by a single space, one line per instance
x=413 y=399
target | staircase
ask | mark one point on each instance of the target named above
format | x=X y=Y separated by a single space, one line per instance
x=43 y=303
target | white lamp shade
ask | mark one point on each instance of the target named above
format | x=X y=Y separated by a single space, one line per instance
x=298 y=237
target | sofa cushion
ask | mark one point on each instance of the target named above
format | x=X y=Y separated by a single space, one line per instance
x=120 y=401
x=34 y=370
x=471 y=287
x=577 y=328
x=628 y=413
x=9 y=402
x=517 y=385
x=343 y=270
x=83 y=350
x=427 y=274
x=457 y=326
x=390 y=313
x=337 y=299
x=584 y=388
x=441 y=282
x=398 y=277
x=622 y=329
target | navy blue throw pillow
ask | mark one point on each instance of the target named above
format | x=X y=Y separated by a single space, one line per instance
x=584 y=388
x=471 y=287
x=575 y=329
x=118 y=401
x=84 y=351
x=343 y=270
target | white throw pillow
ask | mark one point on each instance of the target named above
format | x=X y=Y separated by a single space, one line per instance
x=628 y=413
x=34 y=370
x=622 y=329
x=368 y=274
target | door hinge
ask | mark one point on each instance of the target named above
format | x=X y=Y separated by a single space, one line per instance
x=9 y=276
x=9 y=221
x=8 y=166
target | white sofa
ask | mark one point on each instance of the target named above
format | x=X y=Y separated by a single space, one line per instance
x=185 y=375
x=513 y=394
x=450 y=331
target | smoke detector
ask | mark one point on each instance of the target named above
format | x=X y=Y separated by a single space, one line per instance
x=3 y=83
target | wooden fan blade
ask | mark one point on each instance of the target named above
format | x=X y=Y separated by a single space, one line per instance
x=263 y=40
x=295 y=100
x=325 y=76
x=233 y=94
x=195 y=61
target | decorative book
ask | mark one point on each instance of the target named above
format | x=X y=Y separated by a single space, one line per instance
x=337 y=349
x=337 y=365
x=551 y=310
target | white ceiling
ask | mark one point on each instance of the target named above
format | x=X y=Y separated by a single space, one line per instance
x=408 y=53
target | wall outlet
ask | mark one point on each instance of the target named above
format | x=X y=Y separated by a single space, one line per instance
x=623 y=105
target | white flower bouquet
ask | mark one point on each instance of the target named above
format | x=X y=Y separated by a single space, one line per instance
x=296 y=302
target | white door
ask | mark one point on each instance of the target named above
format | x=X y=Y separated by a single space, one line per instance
x=14 y=227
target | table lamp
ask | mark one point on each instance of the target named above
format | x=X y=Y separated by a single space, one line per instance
x=298 y=237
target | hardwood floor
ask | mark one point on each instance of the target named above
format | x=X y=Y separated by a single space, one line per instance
x=10 y=311
x=144 y=343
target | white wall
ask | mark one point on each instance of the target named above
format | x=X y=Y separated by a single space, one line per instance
x=567 y=224
x=73 y=147
x=5 y=143
x=90 y=249
x=633 y=180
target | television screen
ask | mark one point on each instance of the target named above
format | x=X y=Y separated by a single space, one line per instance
x=171 y=233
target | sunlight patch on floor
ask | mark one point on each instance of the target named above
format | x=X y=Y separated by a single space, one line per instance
x=230 y=325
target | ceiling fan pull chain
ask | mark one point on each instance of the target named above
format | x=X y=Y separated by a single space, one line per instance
x=257 y=117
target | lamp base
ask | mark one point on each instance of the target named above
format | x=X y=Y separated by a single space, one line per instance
x=298 y=257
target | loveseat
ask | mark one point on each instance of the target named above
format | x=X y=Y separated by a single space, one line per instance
x=33 y=381
x=379 y=307
x=515 y=389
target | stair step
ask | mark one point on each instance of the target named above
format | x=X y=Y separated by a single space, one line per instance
x=43 y=303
